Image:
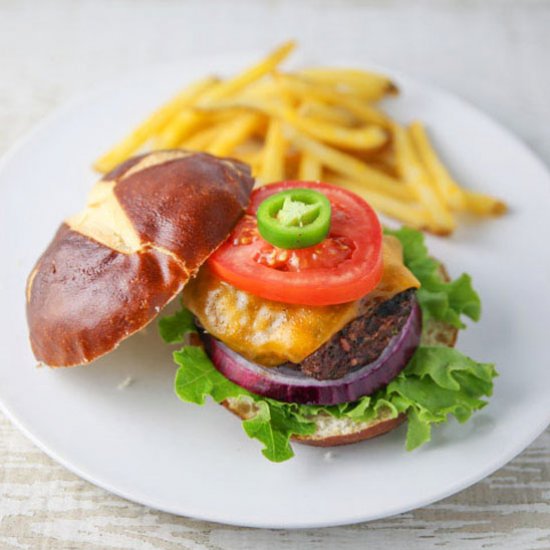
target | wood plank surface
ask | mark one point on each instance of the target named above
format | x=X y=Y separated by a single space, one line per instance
x=494 y=53
x=42 y=505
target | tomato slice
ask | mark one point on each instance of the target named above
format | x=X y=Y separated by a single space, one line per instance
x=342 y=268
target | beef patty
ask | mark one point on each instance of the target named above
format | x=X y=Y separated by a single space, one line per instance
x=361 y=341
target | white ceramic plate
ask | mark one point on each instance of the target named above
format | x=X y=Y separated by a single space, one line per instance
x=142 y=443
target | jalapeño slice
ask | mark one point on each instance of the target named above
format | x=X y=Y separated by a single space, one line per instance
x=296 y=218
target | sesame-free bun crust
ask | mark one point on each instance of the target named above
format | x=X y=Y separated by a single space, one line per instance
x=147 y=228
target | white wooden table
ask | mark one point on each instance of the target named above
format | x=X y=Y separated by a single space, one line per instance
x=494 y=53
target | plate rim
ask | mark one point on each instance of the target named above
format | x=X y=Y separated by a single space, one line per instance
x=82 y=99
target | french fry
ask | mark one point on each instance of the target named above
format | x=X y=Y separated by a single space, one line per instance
x=363 y=138
x=313 y=124
x=328 y=113
x=370 y=86
x=483 y=205
x=439 y=218
x=348 y=165
x=234 y=133
x=152 y=125
x=272 y=109
x=292 y=162
x=200 y=140
x=304 y=90
x=266 y=88
x=252 y=74
x=272 y=166
x=183 y=125
x=310 y=168
x=208 y=130
x=457 y=197
x=411 y=214
x=383 y=159
x=253 y=159
x=448 y=187
x=188 y=121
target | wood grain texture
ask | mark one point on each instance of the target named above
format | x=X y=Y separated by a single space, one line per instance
x=42 y=505
x=53 y=50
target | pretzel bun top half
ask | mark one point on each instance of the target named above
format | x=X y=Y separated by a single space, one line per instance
x=148 y=226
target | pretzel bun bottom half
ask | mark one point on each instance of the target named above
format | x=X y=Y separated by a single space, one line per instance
x=109 y=270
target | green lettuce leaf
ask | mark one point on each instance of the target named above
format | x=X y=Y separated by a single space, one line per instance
x=273 y=425
x=438 y=381
x=439 y=300
x=197 y=378
x=173 y=328
x=274 y=422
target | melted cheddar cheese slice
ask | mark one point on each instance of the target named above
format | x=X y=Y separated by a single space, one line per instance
x=272 y=333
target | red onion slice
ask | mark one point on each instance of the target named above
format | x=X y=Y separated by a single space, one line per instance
x=286 y=384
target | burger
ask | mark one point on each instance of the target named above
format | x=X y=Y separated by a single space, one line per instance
x=315 y=324
x=300 y=313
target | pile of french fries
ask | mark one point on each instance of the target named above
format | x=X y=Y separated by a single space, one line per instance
x=313 y=124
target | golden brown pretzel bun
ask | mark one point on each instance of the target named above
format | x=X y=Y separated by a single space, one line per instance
x=147 y=228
